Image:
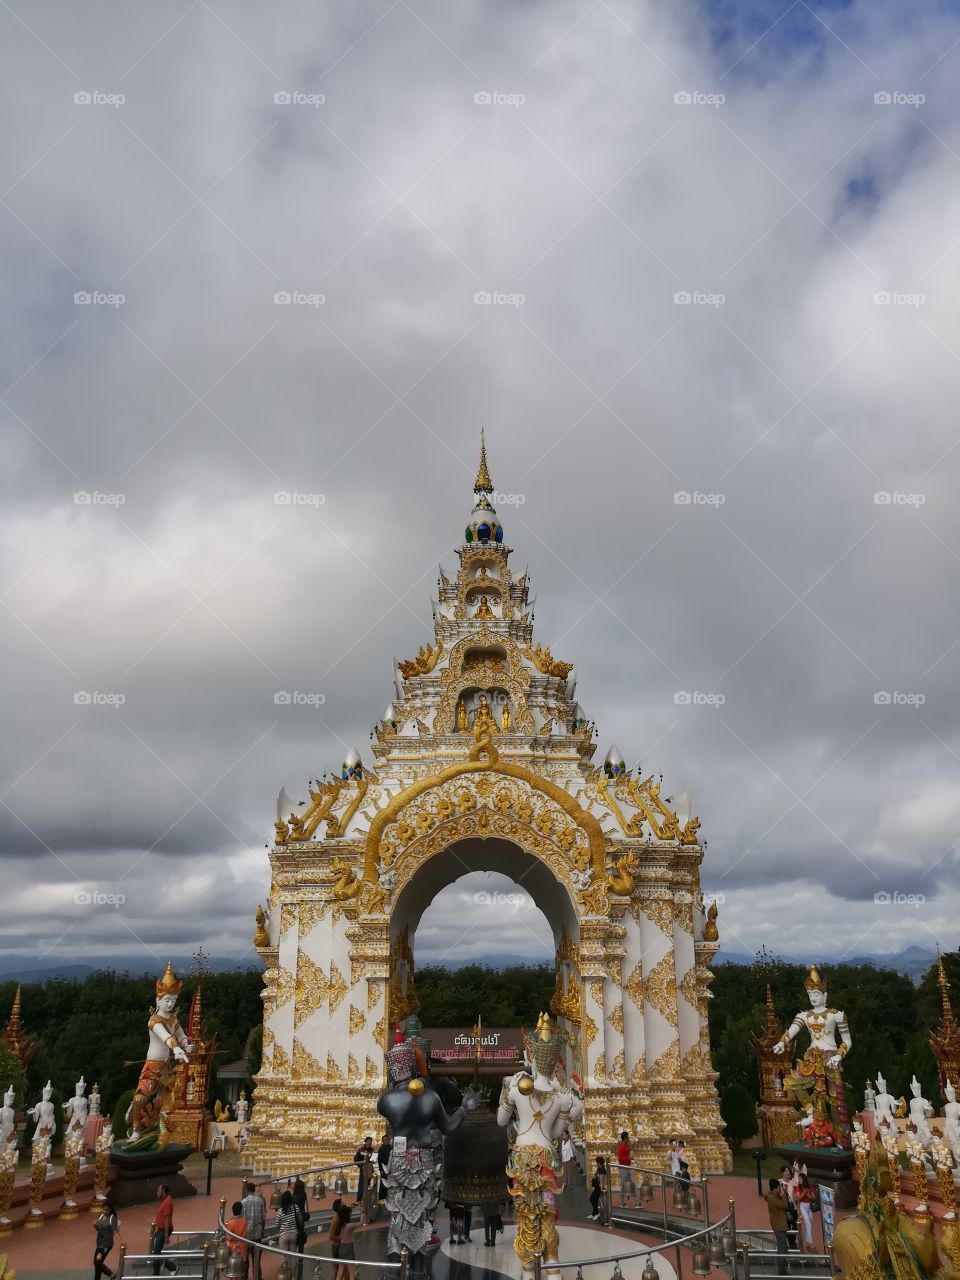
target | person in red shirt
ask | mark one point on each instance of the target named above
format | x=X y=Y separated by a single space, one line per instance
x=624 y=1167
x=238 y=1225
x=162 y=1226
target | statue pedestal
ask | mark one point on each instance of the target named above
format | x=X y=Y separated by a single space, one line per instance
x=833 y=1166
x=139 y=1173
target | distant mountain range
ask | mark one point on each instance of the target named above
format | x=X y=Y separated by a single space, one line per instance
x=912 y=962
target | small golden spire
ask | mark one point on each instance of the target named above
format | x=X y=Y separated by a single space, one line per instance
x=483 y=483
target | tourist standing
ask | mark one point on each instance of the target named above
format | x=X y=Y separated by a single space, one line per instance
x=341 y=1215
x=287 y=1223
x=238 y=1225
x=568 y=1157
x=777 y=1210
x=162 y=1226
x=625 y=1167
x=383 y=1164
x=491 y=1215
x=363 y=1160
x=347 y=1252
x=106 y=1227
x=255 y=1212
x=597 y=1188
x=300 y=1200
x=804 y=1195
x=789 y=1177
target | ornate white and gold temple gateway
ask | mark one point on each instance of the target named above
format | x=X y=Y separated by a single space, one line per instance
x=483 y=763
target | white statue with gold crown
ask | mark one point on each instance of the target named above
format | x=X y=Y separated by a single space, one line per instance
x=539 y=1108
x=816 y=1077
x=157 y=1084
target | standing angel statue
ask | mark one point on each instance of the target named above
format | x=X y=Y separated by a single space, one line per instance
x=535 y=1110
x=157 y=1084
x=816 y=1077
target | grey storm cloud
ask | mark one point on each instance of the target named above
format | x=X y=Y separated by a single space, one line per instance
x=267 y=274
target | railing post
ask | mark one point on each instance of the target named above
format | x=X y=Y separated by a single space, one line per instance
x=123 y=1258
x=746 y=1263
x=404 y=1263
x=663 y=1193
x=537 y=1266
x=706 y=1200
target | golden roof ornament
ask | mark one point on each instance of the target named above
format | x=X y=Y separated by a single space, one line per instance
x=483 y=483
x=945 y=1041
x=710 y=931
x=17 y=1041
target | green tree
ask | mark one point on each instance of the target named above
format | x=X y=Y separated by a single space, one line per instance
x=738 y=1111
x=11 y=1073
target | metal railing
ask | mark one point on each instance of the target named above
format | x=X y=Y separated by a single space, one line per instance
x=649 y=1178
x=763 y=1255
x=721 y=1235
x=180 y=1258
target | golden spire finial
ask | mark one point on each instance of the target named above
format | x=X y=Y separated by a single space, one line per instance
x=483 y=483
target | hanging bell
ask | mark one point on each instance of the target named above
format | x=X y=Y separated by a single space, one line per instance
x=282 y=1272
x=276 y=1197
x=718 y=1255
x=679 y=1195
x=701 y=1259
x=340 y=1184
x=223 y=1254
x=729 y=1239
x=646 y=1189
x=649 y=1270
x=617 y=1274
x=319 y=1190
x=235 y=1268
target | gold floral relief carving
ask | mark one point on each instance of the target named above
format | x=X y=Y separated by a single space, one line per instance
x=288 y=916
x=634 y=985
x=690 y=987
x=595 y=986
x=358 y=1020
x=374 y=992
x=684 y=916
x=589 y=1030
x=600 y=1069
x=660 y=912
x=667 y=1066
x=286 y=987
x=281 y=1061
x=337 y=989
x=334 y=1074
x=380 y=1033
x=311 y=913
x=616 y=1018
x=268 y=1042
x=660 y=988
x=354 y=1074
x=305 y=1066
x=311 y=989
x=618 y=1072
x=374 y=1074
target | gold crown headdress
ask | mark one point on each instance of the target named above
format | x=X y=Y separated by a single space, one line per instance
x=169 y=984
x=813 y=983
x=546 y=1045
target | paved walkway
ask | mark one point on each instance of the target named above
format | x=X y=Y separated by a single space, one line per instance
x=64 y=1250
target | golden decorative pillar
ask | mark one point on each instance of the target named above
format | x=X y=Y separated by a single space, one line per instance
x=73 y=1150
x=945 y=1041
x=8 y=1172
x=188 y=1119
x=778 y=1115
x=891 y=1144
x=38 y=1177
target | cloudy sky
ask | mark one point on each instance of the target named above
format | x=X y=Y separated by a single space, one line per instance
x=694 y=269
